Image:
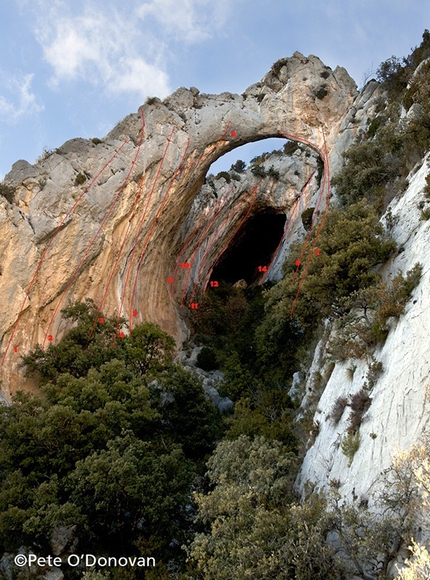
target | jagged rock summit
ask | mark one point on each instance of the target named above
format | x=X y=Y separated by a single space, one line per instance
x=114 y=219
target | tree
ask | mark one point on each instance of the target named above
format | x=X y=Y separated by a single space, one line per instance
x=255 y=530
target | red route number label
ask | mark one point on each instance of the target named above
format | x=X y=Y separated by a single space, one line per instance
x=185 y=265
x=214 y=284
x=50 y=338
x=262 y=268
x=298 y=262
x=194 y=305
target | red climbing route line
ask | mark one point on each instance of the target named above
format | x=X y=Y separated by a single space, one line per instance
x=178 y=172
x=219 y=202
x=172 y=279
x=323 y=156
x=202 y=238
x=78 y=267
x=309 y=234
x=291 y=215
x=254 y=193
x=326 y=181
x=148 y=237
x=49 y=244
x=140 y=227
x=125 y=236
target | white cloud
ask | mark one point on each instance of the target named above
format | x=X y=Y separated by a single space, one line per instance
x=187 y=20
x=20 y=100
x=102 y=47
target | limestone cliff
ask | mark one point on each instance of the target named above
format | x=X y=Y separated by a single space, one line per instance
x=399 y=410
x=116 y=219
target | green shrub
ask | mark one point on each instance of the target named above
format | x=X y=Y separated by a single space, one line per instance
x=239 y=166
x=290 y=147
x=7 y=191
x=277 y=66
x=96 y=140
x=349 y=445
x=259 y=170
x=425 y=214
x=207 y=359
x=152 y=100
x=224 y=174
x=366 y=311
x=307 y=217
x=80 y=179
x=272 y=172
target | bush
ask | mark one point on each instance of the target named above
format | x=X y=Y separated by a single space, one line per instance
x=360 y=403
x=7 y=191
x=290 y=147
x=224 y=174
x=239 y=166
x=259 y=170
x=307 y=217
x=80 y=179
x=338 y=409
x=272 y=172
x=349 y=445
x=364 y=324
x=425 y=214
x=207 y=359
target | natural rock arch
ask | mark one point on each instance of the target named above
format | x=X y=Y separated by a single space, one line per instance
x=103 y=219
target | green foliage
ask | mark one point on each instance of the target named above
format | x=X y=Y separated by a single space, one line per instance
x=277 y=66
x=7 y=191
x=395 y=73
x=366 y=313
x=291 y=147
x=350 y=444
x=188 y=417
x=110 y=448
x=267 y=412
x=224 y=174
x=259 y=170
x=272 y=172
x=207 y=359
x=239 y=166
x=91 y=343
x=307 y=216
x=425 y=214
x=352 y=243
x=80 y=179
x=96 y=140
x=254 y=529
x=369 y=167
x=375 y=166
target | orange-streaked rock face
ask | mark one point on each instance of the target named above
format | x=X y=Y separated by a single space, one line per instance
x=116 y=220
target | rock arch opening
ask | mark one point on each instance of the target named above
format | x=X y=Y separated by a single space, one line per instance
x=252 y=249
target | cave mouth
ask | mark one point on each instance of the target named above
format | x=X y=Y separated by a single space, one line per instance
x=252 y=249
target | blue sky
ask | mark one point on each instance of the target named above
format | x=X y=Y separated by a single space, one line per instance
x=74 y=68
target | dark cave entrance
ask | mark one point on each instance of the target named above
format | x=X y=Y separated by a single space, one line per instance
x=252 y=249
